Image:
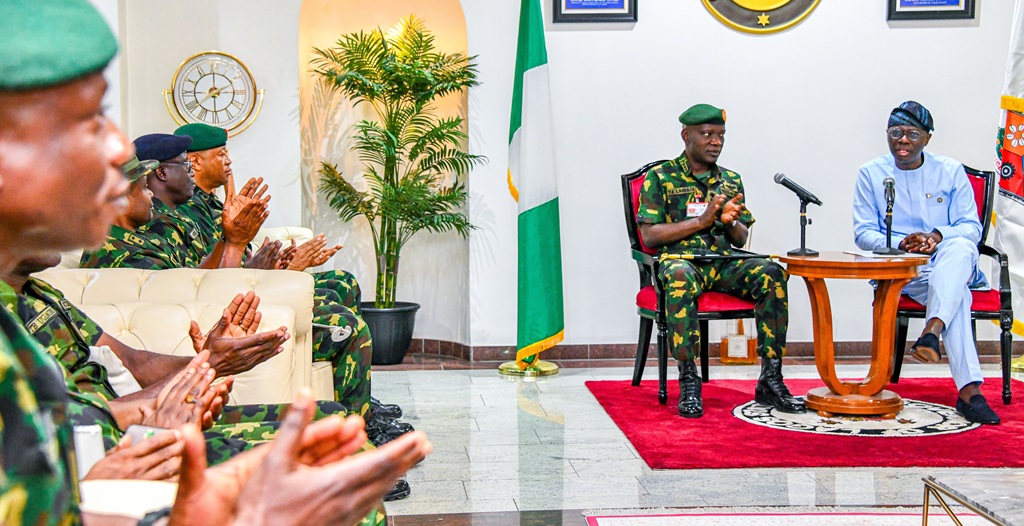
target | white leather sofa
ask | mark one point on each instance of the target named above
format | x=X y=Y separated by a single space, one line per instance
x=152 y=310
x=284 y=234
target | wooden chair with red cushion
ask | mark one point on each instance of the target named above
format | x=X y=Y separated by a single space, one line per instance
x=992 y=304
x=650 y=299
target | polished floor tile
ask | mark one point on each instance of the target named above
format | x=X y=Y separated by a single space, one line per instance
x=528 y=451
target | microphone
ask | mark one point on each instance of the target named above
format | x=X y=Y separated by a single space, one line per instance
x=890 y=197
x=800 y=192
x=890 y=191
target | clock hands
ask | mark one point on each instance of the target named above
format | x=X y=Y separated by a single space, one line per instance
x=215 y=92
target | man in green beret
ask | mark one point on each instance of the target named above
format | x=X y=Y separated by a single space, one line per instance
x=138 y=240
x=49 y=107
x=53 y=134
x=691 y=206
x=211 y=164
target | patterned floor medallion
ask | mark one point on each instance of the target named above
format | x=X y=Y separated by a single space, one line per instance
x=916 y=419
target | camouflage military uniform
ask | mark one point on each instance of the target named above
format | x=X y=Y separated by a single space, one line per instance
x=67 y=333
x=186 y=229
x=150 y=250
x=205 y=211
x=667 y=190
x=38 y=484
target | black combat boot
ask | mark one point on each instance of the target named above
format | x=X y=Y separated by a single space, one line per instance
x=391 y=411
x=772 y=391
x=690 y=403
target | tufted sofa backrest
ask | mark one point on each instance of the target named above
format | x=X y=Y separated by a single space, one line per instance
x=152 y=310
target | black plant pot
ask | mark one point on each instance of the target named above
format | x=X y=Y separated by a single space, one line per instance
x=391 y=330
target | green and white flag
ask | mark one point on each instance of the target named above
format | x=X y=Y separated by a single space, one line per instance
x=532 y=181
x=1009 y=201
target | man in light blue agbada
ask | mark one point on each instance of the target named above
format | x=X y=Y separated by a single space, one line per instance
x=934 y=213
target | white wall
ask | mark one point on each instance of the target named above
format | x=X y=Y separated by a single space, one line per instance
x=811 y=102
x=160 y=35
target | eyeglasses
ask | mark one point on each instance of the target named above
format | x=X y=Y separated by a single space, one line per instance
x=186 y=164
x=896 y=134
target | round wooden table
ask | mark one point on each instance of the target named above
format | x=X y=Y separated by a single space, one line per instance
x=869 y=396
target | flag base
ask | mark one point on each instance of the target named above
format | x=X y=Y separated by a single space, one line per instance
x=537 y=368
x=1017 y=365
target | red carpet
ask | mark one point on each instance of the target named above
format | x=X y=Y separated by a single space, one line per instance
x=718 y=440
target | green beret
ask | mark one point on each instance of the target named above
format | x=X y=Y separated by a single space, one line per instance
x=135 y=169
x=204 y=136
x=51 y=42
x=702 y=114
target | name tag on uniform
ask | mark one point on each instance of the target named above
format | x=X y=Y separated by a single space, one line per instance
x=695 y=209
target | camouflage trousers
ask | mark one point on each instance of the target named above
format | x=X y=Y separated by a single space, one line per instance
x=759 y=280
x=350 y=358
x=344 y=284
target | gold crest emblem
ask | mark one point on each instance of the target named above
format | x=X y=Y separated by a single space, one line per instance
x=760 y=16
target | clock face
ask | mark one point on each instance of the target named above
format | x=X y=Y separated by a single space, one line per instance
x=214 y=88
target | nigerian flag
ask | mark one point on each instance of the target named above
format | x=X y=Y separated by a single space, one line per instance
x=531 y=179
x=1009 y=205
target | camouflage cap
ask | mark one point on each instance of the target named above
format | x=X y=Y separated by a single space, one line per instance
x=135 y=169
x=702 y=114
x=51 y=42
x=204 y=136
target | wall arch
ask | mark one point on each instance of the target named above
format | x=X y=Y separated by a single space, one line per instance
x=434 y=270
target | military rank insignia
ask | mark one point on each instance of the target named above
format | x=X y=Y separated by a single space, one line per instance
x=760 y=16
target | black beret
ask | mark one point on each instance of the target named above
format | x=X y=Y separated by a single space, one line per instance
x=161 y=146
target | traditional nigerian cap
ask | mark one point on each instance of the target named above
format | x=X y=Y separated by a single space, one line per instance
x=204 y=136
x=135 y=169
x=702 y=114
x=51 y=42
x=161 y=146
x=911 y=113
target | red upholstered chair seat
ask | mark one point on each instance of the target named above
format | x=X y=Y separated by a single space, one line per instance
x=982 y=301
x=708 y=302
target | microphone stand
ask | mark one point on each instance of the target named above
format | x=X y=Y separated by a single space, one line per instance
x=803 y=250
x=888 y=250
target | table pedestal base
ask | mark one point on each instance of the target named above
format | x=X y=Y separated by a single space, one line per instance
x=886 y=403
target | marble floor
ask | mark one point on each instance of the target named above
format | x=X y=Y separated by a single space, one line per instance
x=521 y=448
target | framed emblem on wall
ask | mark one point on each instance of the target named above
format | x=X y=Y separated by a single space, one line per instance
x=760 y=16
x=930 y=9
x=594 y=11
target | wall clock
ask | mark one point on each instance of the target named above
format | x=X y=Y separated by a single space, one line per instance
x=760 y=16
x=214 y=88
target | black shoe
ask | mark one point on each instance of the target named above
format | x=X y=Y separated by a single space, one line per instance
x=391 y=411
x=690 y=403
x=977 y=410
x=771 y=390
x=383 y=430
x=399 y=492
x=925 y=349
x=377 y=437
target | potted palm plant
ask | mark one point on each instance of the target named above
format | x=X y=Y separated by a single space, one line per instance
x=412 y=159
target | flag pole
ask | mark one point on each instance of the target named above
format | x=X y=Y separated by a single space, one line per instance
x=532 y=182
